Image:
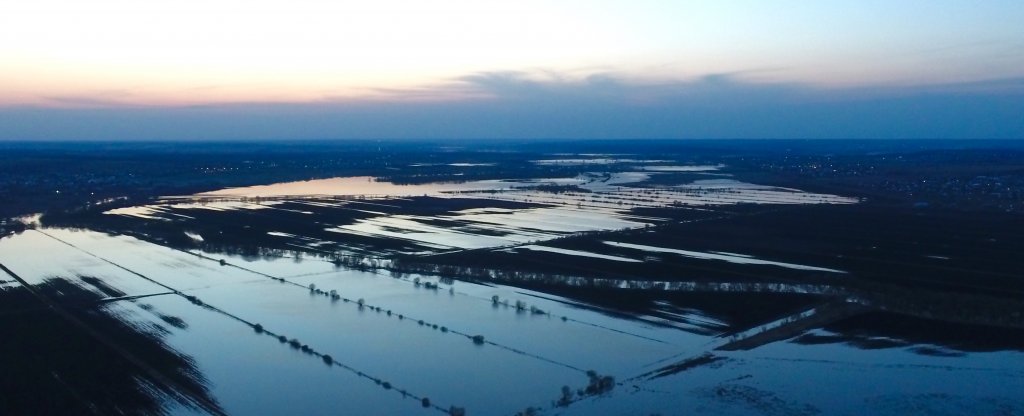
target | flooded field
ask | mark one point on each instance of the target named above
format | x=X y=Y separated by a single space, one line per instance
x=495 y=213
x=598 y=293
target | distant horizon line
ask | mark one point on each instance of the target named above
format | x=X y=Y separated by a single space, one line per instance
x=505 y=139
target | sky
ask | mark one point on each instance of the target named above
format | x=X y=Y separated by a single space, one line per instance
x=312 y=69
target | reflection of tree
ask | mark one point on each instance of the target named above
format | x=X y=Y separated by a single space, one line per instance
x=53 y=365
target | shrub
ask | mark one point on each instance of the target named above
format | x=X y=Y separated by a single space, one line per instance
x=598 y=383
x=567 y=396
x=529 y=411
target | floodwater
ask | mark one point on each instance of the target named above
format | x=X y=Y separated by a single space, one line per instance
x=722 y=256
x=293 y=333
x=594 y=161
x=681 y=168
x=603 y=202
x=579 y=253
x=528 y=355
x=370 y=186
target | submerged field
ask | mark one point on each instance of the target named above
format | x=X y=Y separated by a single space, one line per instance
x=628 y=285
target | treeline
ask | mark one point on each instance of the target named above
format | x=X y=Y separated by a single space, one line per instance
x=929 y=304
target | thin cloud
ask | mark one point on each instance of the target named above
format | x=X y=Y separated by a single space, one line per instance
x=520 y=104
x=99 y=98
